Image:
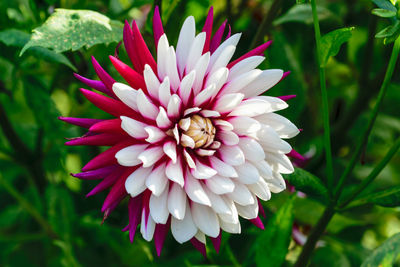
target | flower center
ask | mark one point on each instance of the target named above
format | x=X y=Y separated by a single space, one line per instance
x=200 y=129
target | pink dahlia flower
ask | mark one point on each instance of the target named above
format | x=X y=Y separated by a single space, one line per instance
x=193 y=144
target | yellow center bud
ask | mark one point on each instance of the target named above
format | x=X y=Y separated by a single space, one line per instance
x=200 y=129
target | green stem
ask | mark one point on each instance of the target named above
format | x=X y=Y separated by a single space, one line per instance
x=324 y=96
x=25 y=204
x=314 y=236
x=375 y=172
x=363 y=141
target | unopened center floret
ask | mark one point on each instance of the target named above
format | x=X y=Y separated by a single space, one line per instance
x=200 y=129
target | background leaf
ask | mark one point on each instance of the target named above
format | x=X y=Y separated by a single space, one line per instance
x=302 y=13
x=385 y=254
x=272 y=245
x=384 y=13
x=386 y=198
x=385 y=4
x=72 y=29
x=331 y=43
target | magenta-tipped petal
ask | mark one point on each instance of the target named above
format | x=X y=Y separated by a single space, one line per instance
x=103 y=75
x=81 y=122
x=286 y=97
x=95 y=174
x=295 y=154
x=144 y=52
x=257 y=222
x=216 y=40
x=158 y=30
x=103 y=139
x=107 y=182
x=216 y=242
x=199 y=246
x=98 y=85
x=160 y=234
x=133 y=78
x=107 y=126
x=134 y=209
x=208 y=29
x=258 y=51
x=117 y=192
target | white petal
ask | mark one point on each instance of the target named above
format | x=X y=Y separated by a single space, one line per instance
x=205 y=95
x=203 y=171
x=151 y=155
x=200 y=236
x=159 y=208
x=248 y=212
x=218 y=204
x=244 y=66
x=252 y=150
x=264 y=81
x=187 y=141
x=155 y=134
x=223 y=125
x=228 y=137
x=185 y=40
x=220 y=185
x=191 y=110
x=177 y=201
x=210 y=113
x=222 y=168
x=164 y=92
x=128 y=156
x=222 y=60
x=279 y=163
x=196 y=50
x=135 y=183
x=284 y=127
x=272 y=103
x=174 y=172
x=174 y=106
x=264 y=168
x=260 y=189
x=232 y=155
x=241 y=194
x=271 y=141
x=151 y=80
x=248 y=174
x=162 y=119
x=162 y=51
x=186 y=86
x=228 y=102
x=218 y=78
x=195 y=191
x=205 y=219
x=170 y=149
x=157 y=181
x=276 y=184
x=147 y=227
x=145 y=106
x=133 y=127
x=200 y=68
x=241 y=82
x=205 y=152
x=245 y=125
x=232 y=216
x=255 y=106
x=126 y=94
x=233 y=228
x=189 y=159
x=233 y=40
x=172 y=71
x=183 y=230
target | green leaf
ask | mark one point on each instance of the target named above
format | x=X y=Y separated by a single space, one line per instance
x=272 y=244
x=385 y=254
x=384 y=13
x=303 y=13
x=388 y=31
x=331 y=43
x=385 y=4
x=308 y=183
x=386 y=198
x=72 y=29
x=18 y=38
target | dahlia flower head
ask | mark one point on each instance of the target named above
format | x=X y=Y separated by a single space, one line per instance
x=193 y=143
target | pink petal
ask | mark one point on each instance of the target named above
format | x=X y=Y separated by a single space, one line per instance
x=134 y=79
x=157 y=27
x=117 y=192
x=98 y=85
x=107 y=182
x=294 y=154
x=216 y=242
x=216 y=40
x=130 y=47
x=144 y=53
x=255 y=52
x=159 y=236
x=107 y=126
x=257 y=222
x=96 y=174
x=104 y=76
x=208 y=29
x=199 y=246
x=134 y=208
x=81 y=122
x=261 y=208
x=103 y=139
x=286 y=97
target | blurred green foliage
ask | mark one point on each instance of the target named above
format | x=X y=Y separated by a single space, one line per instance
x=45 y=220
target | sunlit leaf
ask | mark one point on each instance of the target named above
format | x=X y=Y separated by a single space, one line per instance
x=384 y=13
x=272 y=244
x=385 y=254
x=72 y=29
x=385 y=4
x=331 y=43
x=18 y=38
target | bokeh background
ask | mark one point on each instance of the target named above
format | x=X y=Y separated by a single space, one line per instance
x=45 y=219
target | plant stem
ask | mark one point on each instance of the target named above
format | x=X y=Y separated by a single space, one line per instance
x=363 y=141
x=324 y=96
x=314 y=236
x=375 y=172
x=25 y=204
x=265 y=25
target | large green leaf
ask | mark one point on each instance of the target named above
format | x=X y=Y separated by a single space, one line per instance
x=385 y=254
x=307 y=183
x=72 y=29
x=385 y=4
x=303 y=13
x=386 y=198
x=384 y=13
x=18 y=38
x=331 y=43
x=272 y=245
